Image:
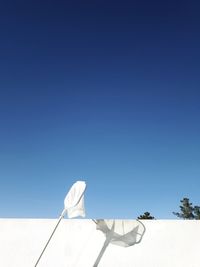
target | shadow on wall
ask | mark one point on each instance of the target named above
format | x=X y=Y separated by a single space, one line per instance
x=124 y=233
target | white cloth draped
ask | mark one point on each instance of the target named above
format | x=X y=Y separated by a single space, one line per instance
x=74 y=201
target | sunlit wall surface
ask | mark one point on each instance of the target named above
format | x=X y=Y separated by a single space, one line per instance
x=78 y=243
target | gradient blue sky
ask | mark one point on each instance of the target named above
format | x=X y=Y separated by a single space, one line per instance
x=104 y=91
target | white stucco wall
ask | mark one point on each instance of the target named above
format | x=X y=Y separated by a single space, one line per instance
x=77 y=243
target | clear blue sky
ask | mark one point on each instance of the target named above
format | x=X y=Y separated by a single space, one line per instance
x=107 y=92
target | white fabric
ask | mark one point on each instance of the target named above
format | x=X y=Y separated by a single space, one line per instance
x=74 y=201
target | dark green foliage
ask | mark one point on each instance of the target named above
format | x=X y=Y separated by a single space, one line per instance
x=197 y=212
x=146 y=216
x=187 y=211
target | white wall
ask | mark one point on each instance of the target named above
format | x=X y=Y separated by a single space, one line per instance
x=166 y=243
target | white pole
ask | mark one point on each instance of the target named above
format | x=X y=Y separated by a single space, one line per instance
x=72 y=199
x=59 y=220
